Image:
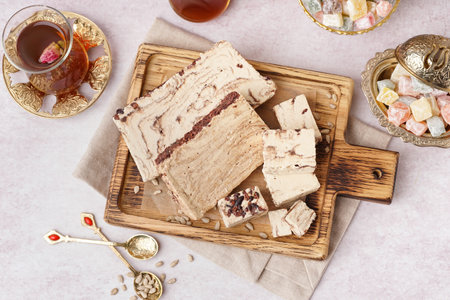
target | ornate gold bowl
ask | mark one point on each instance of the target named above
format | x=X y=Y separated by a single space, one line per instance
x=416 y=52
x=378 y=24
x=73 y=103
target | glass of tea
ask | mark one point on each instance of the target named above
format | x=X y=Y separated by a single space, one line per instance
x=39 y=40
x=199 y=10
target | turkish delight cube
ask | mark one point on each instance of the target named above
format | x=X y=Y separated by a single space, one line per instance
x=332 y=7
x=405 y=87
x=385 y=83
x=365 y=22
x=348 y=24
x=418 y=128
x=357 y=9
x=407 y=99
x=443 y=100
x=445 y=112
x=313 y=6
x=433 y=104
x=384 y=8
x=333 y=20
x=420 y=87
x=398 y=113
x=421 y=109
x=398 y=72
x=387 y=96
x=436 y=126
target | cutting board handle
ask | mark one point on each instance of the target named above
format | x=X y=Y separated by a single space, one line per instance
x=363 y=173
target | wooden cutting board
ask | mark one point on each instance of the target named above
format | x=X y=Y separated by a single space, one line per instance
x=342 y=169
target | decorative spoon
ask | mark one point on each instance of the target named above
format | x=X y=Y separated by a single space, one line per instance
x=88 y=220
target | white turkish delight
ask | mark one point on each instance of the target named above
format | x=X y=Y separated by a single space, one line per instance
x=436 y=126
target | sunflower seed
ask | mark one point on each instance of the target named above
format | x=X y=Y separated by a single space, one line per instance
x=189 y=223
x=174 y=263
x=217 y=226
x=163 y=277
x=178 y=219
x=157 y=192
x=263 y=235
x=124 y=287
x=145 y=282
x=328 y=139
x=152 y=291
x=190 y=258
x=186 y=218
x=325 y=131
x=333 y=106
x=316 y=116
x=169 y=218
x=120 y=278
x=114 y=291
x=133 y=298
x=327 y=149
x=130 y=274
x=136 y=189
x=172 y=281
x=330 y=125
x=328 y=95
x=205 y=220
x=143 y=294
x=249 y=226
x=138 y=279
x=155 y=181
x=159 y=264
x=182 y=221
x=334 y=97
x=140 y=287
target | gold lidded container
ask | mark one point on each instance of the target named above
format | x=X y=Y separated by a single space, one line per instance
x=425 y=57
x=353 y=32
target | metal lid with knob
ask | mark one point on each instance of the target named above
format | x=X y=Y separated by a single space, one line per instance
x=427 y=57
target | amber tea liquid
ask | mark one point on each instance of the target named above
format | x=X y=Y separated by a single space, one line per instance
x=32 y=41
x=199 y=10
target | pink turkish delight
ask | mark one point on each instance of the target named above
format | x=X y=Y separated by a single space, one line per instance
x=418 y=128
x=443 y=100
x=319 y=16
x=365 y=22
x=405 y=87
x=445 y=112
x=383 y=8
x=398 y=113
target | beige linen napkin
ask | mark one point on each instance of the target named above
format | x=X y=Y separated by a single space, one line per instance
x=290 y=278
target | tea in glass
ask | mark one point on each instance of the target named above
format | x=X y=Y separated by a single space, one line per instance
x=39 y=41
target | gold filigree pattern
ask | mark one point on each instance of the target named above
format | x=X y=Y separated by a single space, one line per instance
x=9 y=67
x=382 y=62
x=69 y=104
x=98 y=71
x=86 y=34
x=427 y=57
x=30 y=98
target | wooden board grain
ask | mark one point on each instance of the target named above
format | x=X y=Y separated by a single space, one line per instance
x=359 y=172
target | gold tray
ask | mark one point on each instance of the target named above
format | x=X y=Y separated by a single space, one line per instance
x=377 y=68
x=73 y=103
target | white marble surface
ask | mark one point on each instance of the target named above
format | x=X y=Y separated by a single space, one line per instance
x=390 y=252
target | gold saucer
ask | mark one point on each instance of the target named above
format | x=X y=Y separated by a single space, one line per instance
x=73 y=103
